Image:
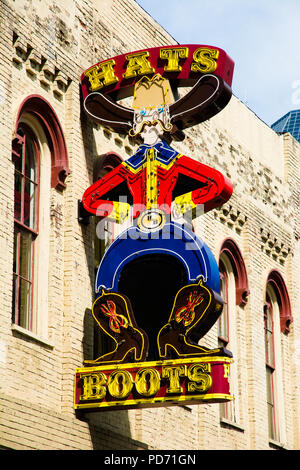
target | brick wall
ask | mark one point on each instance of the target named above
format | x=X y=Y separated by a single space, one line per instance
x=45 y=46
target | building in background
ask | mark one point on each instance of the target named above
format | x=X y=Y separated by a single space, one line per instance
x=50 y=153
x=290 y=122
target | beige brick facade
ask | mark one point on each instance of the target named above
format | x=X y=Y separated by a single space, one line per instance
x=45 y=46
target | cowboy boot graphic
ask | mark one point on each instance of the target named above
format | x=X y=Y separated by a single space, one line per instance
x=114 y=315
x=196 y=308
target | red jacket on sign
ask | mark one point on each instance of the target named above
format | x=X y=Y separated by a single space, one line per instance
x=154 y=177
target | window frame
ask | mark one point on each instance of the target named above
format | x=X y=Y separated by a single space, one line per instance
x=24 y=133
x=277 y=302
x=227 y=409
x=103 y=165
x=224 y=279
x=38 y=114
x=233 y=271
x=270 y=368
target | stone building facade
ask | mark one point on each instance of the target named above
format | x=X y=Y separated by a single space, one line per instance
x=45 y=46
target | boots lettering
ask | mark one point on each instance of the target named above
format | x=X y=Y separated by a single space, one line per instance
x=147 y=382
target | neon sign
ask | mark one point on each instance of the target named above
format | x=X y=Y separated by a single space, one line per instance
x=155 y=327
x=147 y=384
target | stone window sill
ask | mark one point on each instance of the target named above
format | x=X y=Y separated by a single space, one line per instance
x=31 y=335
x=226 y=423
x=276 y=444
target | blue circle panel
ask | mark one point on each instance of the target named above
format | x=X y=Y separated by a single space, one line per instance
x=174 y=239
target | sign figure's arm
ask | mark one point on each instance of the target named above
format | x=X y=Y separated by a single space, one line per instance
x=101 y=198
x=213 y=191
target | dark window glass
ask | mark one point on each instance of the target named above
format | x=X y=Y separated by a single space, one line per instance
x=26 y=226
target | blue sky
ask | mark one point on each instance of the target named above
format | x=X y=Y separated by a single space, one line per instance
x=261 y=36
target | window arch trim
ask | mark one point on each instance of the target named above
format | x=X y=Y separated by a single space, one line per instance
x=38 y=107
x=106 y=162
x=103 y=163
x=230 y=248
x=276 y=280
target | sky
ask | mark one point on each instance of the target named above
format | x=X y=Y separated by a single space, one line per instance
x=261 y=36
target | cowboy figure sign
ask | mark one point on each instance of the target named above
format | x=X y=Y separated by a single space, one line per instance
x=162 y=186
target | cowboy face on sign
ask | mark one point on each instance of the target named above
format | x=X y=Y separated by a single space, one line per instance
x=151 y=110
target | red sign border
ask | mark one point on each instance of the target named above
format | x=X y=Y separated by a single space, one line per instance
x=225 y=67
x=219 y=391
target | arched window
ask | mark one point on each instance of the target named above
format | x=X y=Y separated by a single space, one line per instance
x=42 y=112
x=41 y=163
x=105 y=230
x=277 y=319
x=270 y=364
x=104 y=236
x=234 y=291
x=223 y=322
x=234 y=255
x=276 y=281
x=27 y=172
